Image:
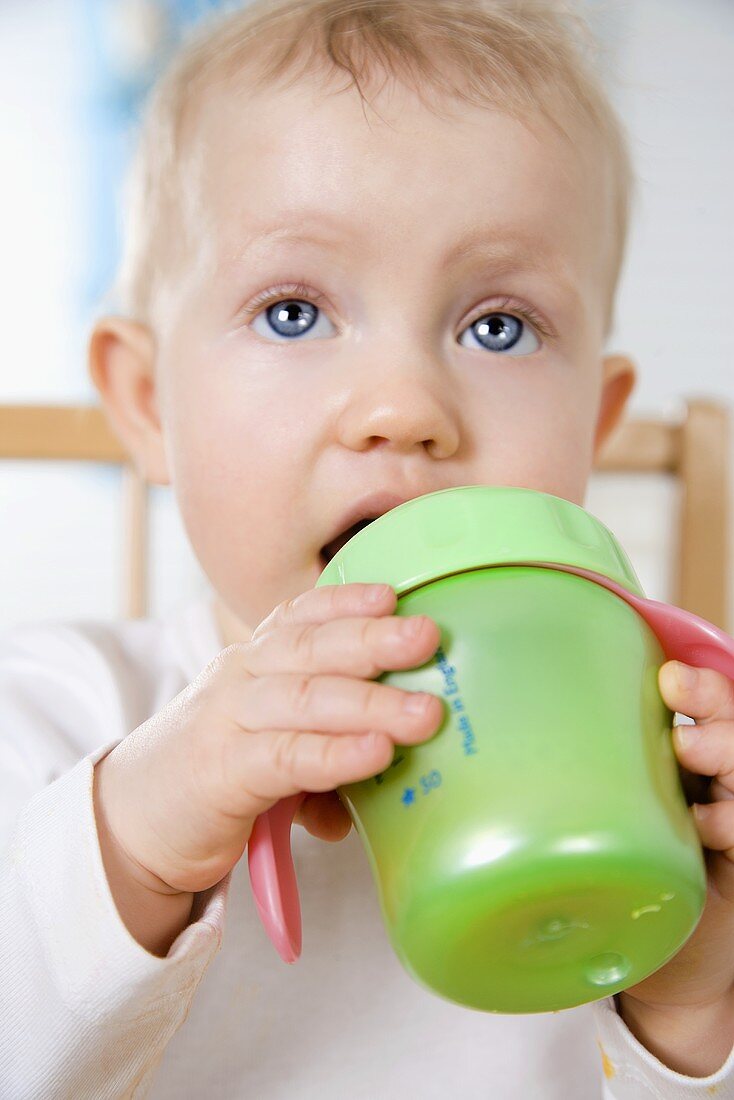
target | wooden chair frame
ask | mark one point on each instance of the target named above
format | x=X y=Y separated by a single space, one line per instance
x=694 y=448
x=82 y=434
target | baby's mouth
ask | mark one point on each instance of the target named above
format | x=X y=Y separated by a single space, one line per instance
x=333 y=547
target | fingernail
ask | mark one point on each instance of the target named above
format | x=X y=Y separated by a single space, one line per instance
x=685 y=675
x=700 y=811
x=685 y=735
x=413 y=626
x=376 y=593
x=417 y=702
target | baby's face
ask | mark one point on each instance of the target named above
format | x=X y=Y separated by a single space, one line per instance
x=447 y=328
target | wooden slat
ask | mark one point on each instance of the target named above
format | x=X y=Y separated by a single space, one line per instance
x=703 y=560
x=82 y=434
x=695 y=450
x=642 y=446
x=58 y=432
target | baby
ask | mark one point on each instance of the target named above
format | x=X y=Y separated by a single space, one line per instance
x=339 y=292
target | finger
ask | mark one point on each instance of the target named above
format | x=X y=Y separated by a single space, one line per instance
x=707 y=749
x=360 y=647
x=708 y=696
x=715 y=824
x=332 y=601
x=324 y=816
x=265 y=767
x=332 y=704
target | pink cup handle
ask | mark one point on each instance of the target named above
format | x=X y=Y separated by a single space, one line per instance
x=273 y=876
x=683 y=636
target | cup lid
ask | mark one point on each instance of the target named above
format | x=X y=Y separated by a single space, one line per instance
x=475 y=526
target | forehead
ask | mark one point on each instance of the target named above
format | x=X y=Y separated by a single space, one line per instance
x=297 y=167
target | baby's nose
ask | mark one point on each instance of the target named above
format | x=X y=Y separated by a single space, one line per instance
x=402 y=410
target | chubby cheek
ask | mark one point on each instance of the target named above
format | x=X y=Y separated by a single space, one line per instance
x=239 y=469
x=543 y=438
x=560 y=450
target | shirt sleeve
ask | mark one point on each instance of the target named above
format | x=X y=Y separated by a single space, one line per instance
x=85 y=1010
x=631 y=1072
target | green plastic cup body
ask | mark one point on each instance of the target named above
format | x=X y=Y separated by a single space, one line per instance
x=537 y=852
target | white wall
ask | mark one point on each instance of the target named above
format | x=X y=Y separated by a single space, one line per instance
x=42 y=174
x=671 y=67
x=675 y=93
x=671 y=76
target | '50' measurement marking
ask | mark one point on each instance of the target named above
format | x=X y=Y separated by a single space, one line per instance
x=427 y=782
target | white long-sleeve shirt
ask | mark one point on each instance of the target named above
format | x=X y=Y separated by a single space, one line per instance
x=85 y=1011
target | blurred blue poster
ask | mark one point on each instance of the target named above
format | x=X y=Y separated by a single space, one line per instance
x=125 y=44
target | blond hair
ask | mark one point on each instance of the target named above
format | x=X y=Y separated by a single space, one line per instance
x=522 y=56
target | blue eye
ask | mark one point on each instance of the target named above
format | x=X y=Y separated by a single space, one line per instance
x=290 y=317
x=504 y=333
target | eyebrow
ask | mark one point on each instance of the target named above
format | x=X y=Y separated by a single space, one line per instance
x=503 y=247
x=490 y=238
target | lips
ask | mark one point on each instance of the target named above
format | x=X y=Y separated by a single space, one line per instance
x=360 y=514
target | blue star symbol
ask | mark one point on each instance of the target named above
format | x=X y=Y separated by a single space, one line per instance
x=408 y=796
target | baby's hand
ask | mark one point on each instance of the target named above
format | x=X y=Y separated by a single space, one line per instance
x=700 y=976
x=294 y=709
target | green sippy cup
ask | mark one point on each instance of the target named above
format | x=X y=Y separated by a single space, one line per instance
x=537 y=852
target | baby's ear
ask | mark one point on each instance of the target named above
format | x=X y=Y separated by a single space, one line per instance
x=122 y=368
x=618 y=380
